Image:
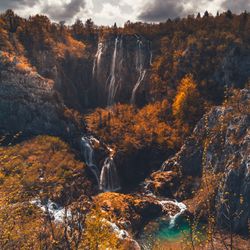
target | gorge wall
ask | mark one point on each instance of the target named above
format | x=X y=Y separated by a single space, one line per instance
x=217 y=154
x=112 y=69
x=28 y=102
x=118 y=68
x=139 y=63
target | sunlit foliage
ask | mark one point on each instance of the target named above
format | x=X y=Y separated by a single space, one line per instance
x=132 y=128
x=187 y=106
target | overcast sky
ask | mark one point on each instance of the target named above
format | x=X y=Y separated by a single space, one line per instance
x=106 y=12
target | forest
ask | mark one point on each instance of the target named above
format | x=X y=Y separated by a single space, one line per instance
x=107 y=132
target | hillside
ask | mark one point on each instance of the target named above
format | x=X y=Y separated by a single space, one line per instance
x=107 y=132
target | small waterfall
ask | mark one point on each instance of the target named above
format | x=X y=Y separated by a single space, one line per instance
x=109 y=180
x=97 y=59
x=88 y=154
x=140 y=68
x=173 y=218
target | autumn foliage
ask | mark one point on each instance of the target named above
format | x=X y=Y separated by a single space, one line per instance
x=42 y=168
x=187 y=106
x=133 y=128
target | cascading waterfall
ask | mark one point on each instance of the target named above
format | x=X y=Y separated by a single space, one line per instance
x=97 y=59
x=108 y=180
x=119 y=68
x=140 y=68
x=182 y=207
x=88 y=154
x=112 y=84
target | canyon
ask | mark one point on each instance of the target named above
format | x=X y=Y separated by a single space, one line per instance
x=111 y=95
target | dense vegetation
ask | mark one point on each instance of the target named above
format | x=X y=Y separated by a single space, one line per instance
x=195 y=59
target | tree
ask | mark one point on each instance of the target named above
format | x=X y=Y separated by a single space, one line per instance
x=77 y=28
x=206 y=14
x=229 y=14
x=187 y=103
x=89 y=25
x=11 y=19
x=99 y=233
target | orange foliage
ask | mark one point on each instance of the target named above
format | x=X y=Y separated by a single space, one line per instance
x=187 y=105
x=70 y=45
x=47 y=157
x=132 y=128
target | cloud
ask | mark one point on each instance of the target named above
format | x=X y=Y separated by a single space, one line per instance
x=13 y=4
x=106 y=12
x=236 y=6
x=160 y=10
x=57 y=10
x=110 y=14
x=64 y=11
x=110 y=11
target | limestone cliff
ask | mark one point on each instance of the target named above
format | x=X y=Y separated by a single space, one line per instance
x=218 y=147
x=29 y=103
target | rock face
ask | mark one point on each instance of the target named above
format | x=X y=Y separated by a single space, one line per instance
x=120 y=69
x=112 y=68
x=219 y=145
x=29 y=103
x=164 y=183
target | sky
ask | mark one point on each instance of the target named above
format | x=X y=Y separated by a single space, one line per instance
x=107 y=12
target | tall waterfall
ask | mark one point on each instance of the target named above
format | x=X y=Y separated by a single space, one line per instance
x=108 y=179
x=97 y=59
x=112 y=84
x=140 y=68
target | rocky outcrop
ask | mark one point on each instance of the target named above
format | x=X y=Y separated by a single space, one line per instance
x=219 y=146
x=129 y=211
x=29 y=103
x=163 y=183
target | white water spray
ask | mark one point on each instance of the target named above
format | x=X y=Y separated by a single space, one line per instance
x=97 y=59
x=112 y=86
x=182 y=207
x=151 y=58
x=88 y=154
x=108 y=179
x=140 y=68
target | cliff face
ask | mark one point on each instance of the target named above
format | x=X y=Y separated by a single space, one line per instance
x=117 y=68
x=29 y=103
x=71 y=74
x=120 y=69
x=219 y=147
x=110 y=69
